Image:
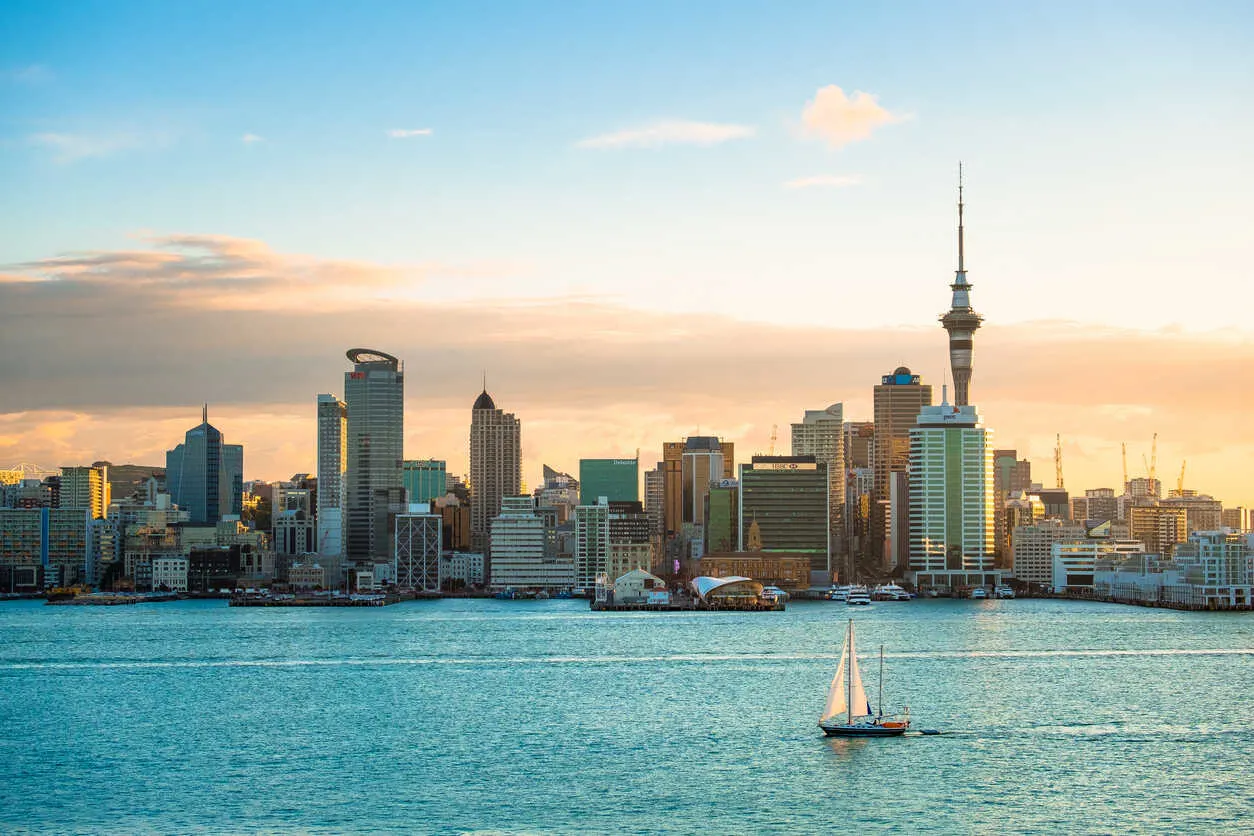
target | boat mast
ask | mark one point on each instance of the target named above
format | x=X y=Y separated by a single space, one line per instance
x=881 y=705
x=849 y=677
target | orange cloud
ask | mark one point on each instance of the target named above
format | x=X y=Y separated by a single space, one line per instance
x=839 y=119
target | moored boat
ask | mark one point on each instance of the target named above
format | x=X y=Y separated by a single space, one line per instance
x=837 y=593
x=858 y=596
x=848 y=711
x=977 y=593
x=1004 y=592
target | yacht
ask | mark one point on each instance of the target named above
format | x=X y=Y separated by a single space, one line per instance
x=977 y=593
x=774 y=593
x=889 y=592
x=1003 y=592
x=858 y=596
x=848 y=711
x=837 y=593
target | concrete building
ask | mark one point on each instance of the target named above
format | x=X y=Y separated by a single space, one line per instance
x=655 y=501
x=1057 y=503
x=1202 y=512
x=592 y=543
x=560 y=492
x=460 y=570
x=618 y=480
x=689 y=468
x=1074 y=564
x=495 y=468
x=521 y=557
x=859 y=444
x=374 y=397
x=1218 y=559
x=169 y=572
x=53 y=539
x=639 y=587
x=205 y=475
x=1159 y=527
x=1234 y=519
x=293 y=519
x=951 y=499
x=631 y=545
x=424 y=479
x=418 y=538
x=306 y=576
x=787 y=497
x=821 y=434
x=898 y=399
x=332 y=444
x=1033 y=557
x=86 y=487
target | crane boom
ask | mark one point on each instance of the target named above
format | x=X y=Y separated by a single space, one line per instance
x=1180 y=481
x=1153 y=467
x=1124 y=444
x=1058 y=460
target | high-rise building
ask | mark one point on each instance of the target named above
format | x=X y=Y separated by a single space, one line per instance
x=618 y=480
x=1234 y=518
x=951 y=499
x=1204 y=513
x=86 y=487
x=821 y=434
x=204 y=475
x=691 y=466
x=1032 y=545
x=1159 y=527
x=859 y=444
x=418 y=539
x=374 y=397
x=961 y=321
x=424 y=479
x=787 y=496
x=655 y=500
x=722 y=517
x=592 y=543
x=630 y=543
x=52 y=543
x=560 y=492
x=293 y=520
x=332 y=443
x=495 y=468
x=521 y=555
x=898 y=400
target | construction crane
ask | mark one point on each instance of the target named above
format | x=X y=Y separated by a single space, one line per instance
x=1180 y=481
x=774 y=436
x=1124 y=444
x=1058 y=460
x=1153 y=465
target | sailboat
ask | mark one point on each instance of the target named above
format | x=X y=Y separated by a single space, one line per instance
x=848 y=711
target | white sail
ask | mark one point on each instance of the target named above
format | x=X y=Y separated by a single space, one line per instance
x=857 y=695
x=836 y=693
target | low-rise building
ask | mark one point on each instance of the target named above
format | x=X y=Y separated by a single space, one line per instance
x=169 y=573
x=459 y=570
x=787 y=571
x=306 y=576
x=640 y=587
x=1075 y=563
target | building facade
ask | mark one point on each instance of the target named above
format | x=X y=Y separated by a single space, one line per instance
x=332 y=442
x=204 y=475
x=418 y=542
x=86 y=487
x=521 y=558
x=787 y=496
x=821 y=434
x=495 y=467
x=374 y=398
x=618 y=480
x=424 y=479
x=951 y=499
x=898 y=400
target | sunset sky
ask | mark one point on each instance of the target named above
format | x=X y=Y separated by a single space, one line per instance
x=641 y=220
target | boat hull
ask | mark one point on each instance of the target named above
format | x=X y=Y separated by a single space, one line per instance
x=864 y=731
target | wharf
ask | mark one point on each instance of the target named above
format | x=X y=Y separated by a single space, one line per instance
x=108 y=599
x=687 y=605
x=319 y=601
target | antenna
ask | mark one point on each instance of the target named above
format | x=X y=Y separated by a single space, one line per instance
x=961 y=266
x=1058 y=460
x=204 y=414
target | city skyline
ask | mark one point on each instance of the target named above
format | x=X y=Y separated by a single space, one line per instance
x=783 y=224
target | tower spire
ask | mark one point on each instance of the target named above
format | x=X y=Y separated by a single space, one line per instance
x=961 y=262
x=204 y=414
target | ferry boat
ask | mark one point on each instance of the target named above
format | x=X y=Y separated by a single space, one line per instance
x=773 y=593
x=1003 y=592
x=837 y=593
x=858 y=596
x=889 y=592
x=848 y=711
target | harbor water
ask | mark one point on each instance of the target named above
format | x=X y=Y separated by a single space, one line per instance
x=541 y=716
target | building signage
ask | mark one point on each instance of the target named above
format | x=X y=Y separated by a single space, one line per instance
x=785 y=466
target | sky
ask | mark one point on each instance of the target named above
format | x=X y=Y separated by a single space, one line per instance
x=640 y=220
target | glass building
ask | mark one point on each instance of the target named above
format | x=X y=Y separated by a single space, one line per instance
x=424 y=479
x=374 y=397
x=205 y=476
x=618 y=480
x=787 y=496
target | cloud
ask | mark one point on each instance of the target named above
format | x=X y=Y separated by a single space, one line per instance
x=145 y=335
x=405 y=133
x=831 y=181
x=251 y=138
x=839 y=119
x=30 y=74
x=669 y=133
x=69 y=148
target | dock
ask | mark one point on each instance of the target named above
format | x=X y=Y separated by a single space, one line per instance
x=315 y=601
x=688 y=605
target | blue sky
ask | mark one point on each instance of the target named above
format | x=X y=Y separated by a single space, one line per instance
x=1106 y=147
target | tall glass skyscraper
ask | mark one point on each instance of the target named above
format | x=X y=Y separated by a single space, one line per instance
x=374 y=397
x=821 y=434
x=332 y=441
x=618 y=480
x=205 y=476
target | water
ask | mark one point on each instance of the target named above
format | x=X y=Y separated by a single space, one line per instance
x=450 y=716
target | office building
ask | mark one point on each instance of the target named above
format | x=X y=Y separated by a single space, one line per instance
x=898 y=400
x=821 y=434
x=424 y=479
x=631 y=546
x=495 y=468
x=592 y=543
x=951 y=499
x=1074 y=563
x=374 y=398
x=1159 y=527
x=86 y=487
x=418 y=539
x=332 y=462
x=859 y=444
x=560 y=492
x=787 y=498
x=618 y=480
x=204 y=475
x=1032 y=549
x=53 y=542
x=293 y=520
x=961 y=321
x=1234 y=519
x=722 y=517
x=655 y=500
x=521 y=556
x=690 y=466
x=1202 y=512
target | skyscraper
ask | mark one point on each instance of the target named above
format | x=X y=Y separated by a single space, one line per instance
x=961 y=321
x=374 y=397
x=204 y=476
x=821 y=434
x=495 y=466
x=787 y=496
x=899 y=398
x=951 y=498
x=86 y=487
x=332 y=439
x=618 y=480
